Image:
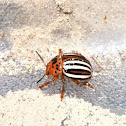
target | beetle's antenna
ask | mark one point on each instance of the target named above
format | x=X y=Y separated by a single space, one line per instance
x=41 y=58
x=40 y=79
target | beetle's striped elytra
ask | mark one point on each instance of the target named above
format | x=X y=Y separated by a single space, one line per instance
x=71 y=65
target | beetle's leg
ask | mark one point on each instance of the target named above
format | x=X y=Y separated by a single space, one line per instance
x=100 y=67
x=60 y=53
x=42 y=86
x=62 y=91
x=73 y=51
x=85 y=83
x=76 y=52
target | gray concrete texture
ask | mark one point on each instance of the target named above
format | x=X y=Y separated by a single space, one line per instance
x=93 y=28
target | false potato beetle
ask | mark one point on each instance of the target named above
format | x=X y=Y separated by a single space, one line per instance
x=71 y=65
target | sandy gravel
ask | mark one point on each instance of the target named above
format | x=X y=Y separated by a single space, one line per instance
x=93 y=28
x=32 y=107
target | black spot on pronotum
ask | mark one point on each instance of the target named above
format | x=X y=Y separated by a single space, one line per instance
x=57 y=66
x=54 y=61
x=55 y=71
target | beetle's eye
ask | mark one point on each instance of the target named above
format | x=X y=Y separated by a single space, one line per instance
x=47 y=66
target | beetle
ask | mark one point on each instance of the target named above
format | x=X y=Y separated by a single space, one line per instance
x=72 y=65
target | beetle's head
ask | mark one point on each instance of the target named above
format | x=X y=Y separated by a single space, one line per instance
x=48 y=69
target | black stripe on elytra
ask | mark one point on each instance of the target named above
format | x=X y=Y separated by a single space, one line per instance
x=82 y=59
x=78 y=72
x=77 y=64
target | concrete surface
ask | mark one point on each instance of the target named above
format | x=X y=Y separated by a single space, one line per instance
x=91 y=27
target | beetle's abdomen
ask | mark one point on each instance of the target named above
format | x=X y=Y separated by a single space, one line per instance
x=77 y=68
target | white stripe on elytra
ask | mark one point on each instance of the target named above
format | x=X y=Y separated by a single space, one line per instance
x=66 y=67
x=77 y=76
x=77 y=61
